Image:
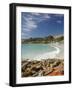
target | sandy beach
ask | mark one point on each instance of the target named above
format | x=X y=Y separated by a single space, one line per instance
x=58 y=53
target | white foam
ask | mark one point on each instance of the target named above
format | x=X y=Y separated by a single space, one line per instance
x=47 y=55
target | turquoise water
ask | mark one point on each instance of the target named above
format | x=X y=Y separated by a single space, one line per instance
x=30 y=51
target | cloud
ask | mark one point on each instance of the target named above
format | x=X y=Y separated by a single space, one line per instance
x=59 y=21
x=25 y=35
x=59 y=15
x=36 y=14
x=30 y=21
x=29 y=25
x=46 y=16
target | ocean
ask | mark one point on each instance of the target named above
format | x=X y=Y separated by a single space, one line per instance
x=37 y=51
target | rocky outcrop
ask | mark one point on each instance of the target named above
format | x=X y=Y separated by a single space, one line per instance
x=49 y=67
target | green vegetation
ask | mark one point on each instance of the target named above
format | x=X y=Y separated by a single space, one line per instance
x=48 y=39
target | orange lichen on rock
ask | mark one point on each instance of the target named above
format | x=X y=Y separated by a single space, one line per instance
x=59 y=70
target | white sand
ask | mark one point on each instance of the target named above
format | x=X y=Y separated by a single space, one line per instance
x=58 y=54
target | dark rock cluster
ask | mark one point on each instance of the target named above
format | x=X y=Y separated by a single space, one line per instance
x=49 y=67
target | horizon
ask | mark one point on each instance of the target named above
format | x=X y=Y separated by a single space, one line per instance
x=39 y=25
x=44 y=37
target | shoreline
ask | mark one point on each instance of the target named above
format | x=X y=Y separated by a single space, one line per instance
x=49 y=55
x=49 y=64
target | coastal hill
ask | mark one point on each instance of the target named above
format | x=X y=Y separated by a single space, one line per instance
x=47 y=39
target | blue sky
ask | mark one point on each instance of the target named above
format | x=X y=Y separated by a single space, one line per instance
x=41 y=24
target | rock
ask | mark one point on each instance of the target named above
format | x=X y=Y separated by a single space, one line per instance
x=27 y=72
x=24 y=64
x=36 y=67
x=51 y=61
x=62 y=72
x=47 y=71
x=36 y=74
x=40 y=73
x=33 y=72
x=42 y=68
x=56 y=63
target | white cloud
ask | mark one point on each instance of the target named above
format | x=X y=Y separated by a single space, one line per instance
x=59 y=21
x=30 y=21
x=59 y=15
x=46 y=16
x=25 y=35
x=37 y=14
x=29 y=25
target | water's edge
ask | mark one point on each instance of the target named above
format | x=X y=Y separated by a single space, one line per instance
x=50 y=55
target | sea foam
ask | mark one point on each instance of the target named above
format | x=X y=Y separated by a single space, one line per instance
x=49 y=55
